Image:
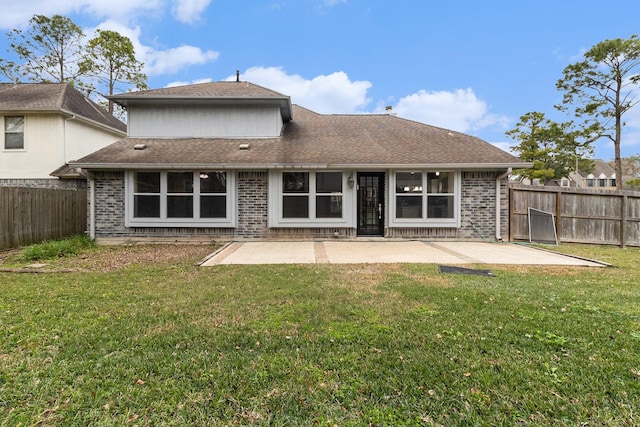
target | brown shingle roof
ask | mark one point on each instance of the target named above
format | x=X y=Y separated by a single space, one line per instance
x=314 y=139
x=54 y=97
x=208 y=90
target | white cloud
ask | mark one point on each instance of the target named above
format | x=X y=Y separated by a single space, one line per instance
x=505 y=146
x=172 y=60
x=188 y=11
x=193 y=82
x=159 y=61
x=119 y=10
x=333 y=2
x=333 y=93
x=459 y=110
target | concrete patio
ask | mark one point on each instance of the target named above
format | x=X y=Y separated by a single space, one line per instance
x=367 y=251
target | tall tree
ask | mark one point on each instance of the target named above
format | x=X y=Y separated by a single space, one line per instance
x=51 y=49
x=601 y=88
x=110 y=59
x=630 y=166
x=555 y=149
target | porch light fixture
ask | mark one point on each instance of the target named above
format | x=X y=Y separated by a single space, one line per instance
x=351 y=181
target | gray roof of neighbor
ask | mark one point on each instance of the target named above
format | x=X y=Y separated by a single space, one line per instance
x=54 y=97
x=313 y=140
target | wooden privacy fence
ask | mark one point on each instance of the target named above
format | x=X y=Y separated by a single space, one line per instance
x=581 y=215
x=31 y=215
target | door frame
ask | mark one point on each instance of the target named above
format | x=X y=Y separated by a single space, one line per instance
x=379 y=230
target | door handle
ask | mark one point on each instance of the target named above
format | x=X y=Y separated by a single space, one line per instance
x=379 y=210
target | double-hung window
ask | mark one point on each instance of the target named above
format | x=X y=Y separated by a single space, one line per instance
x=425 y=199
x=184 y=199
x=14 y=132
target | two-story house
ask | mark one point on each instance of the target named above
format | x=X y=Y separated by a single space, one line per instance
x=233 y=160
x=45 y=126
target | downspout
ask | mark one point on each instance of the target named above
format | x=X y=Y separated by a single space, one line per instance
x=92 y=203
x=498 y=181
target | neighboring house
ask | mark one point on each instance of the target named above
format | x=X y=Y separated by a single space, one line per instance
x=233 y=160
x=602 y=177
x=45 y=126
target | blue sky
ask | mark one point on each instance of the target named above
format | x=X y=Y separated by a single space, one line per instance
x=470 y=66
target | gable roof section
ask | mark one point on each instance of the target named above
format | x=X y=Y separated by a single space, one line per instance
x=54 y=97
x=210 y=93
x=314 y=140
x=600 y=168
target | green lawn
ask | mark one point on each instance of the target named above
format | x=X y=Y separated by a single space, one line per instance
x=170 y=343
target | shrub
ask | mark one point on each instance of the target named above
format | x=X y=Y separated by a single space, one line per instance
x=72 y=245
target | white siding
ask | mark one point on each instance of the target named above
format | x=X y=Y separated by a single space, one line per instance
x=204 y=122
x=43 y=148
x=50 y=141
x=82 y=139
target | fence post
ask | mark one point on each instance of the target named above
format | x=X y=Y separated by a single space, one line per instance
x=511 y=213
x=623 y=222
x=559 y=216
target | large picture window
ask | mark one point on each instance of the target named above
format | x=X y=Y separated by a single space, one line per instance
x=424 y=198
x=312 y=195
x=184 y=198
x=14 y=132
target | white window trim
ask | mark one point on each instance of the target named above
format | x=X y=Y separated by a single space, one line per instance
x=424 y=222
x=24 y=135
x=275 y=202
x=163 y=221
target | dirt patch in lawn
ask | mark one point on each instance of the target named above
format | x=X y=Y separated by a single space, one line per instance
x=109 y=258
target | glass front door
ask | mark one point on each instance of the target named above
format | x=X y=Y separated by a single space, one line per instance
x=371 y=204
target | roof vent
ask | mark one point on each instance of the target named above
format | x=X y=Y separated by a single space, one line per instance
x=244 y=146
x=140 y=146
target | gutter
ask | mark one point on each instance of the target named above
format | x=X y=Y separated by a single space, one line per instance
x=498 y=181
x=257 y=166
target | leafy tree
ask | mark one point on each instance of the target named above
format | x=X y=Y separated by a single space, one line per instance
x=51 y=49
x=602 y=87
x=111 y=60
x=630 y=166
x=555 y=149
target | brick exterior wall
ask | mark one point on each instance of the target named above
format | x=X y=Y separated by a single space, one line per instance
x=252 y=204
x=477 y=214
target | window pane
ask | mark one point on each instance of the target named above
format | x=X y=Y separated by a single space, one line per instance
x=146 y=206
x=440 y=207
x=328 y=206
x=440 y=182
x=408 y=207
x=295 y=207
x=180 y=206
x=295 y=182
x=147 y=182
x=213 y=182
x=13 y=141
x=408 y=182
x=180 y=182
x=14 y=124
x=329 y=182
x=213 y=207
